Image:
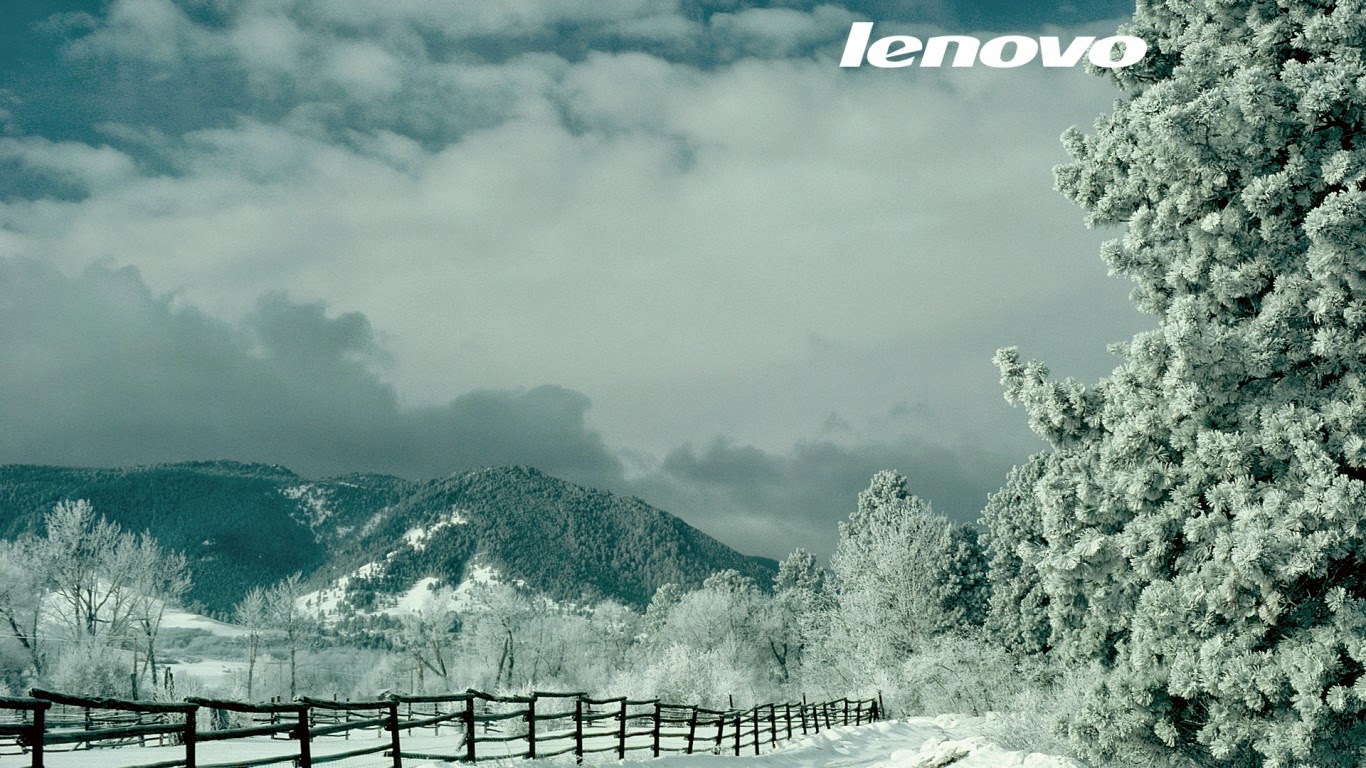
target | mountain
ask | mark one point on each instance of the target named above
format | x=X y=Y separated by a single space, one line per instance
x=242 y=525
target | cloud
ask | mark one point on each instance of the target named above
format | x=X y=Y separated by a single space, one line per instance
x=101 y=371
x=104 y=372
x=364 y=235
x=776 y=501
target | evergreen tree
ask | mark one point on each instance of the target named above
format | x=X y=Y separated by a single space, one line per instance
x=901 y=574
x=794 y=612
x=1202 y=513
x=1018 y=615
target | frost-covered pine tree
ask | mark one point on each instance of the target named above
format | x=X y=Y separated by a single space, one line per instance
x=1017 y=618
x=1203 y=510
x=900 y=574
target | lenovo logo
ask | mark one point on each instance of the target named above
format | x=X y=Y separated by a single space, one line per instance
x=999 y=52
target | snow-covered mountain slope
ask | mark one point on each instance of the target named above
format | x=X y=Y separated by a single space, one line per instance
x=248 y=525
x=428 y=594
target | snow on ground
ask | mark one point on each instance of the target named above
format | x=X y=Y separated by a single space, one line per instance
x=178 y=618
x=423 y=595
x=327 y=601
x=920 y=742
x=214 y=674
x=417 y=537
x=312 y=501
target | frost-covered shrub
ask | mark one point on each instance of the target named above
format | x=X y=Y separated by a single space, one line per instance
x=677 y=673
x=1038 y=715
x=91 y=668
x=14 y=665
x=1202 y=513
x=959 y=673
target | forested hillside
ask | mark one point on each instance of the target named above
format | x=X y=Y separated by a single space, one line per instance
x=245 y=525
x=562 y=539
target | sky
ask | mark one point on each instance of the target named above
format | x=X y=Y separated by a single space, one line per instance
x=668 y=248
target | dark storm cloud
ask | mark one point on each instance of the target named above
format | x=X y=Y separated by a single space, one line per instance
x=780 y=501
x=100 y=371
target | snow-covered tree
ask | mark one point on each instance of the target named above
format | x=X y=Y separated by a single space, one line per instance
x=1018 y=615
x=1203 y=514
x=289 y=617
x=745 y=634
x=657 y=612
x=22 y=585
x=900 y=574
x=427 y=637
x=795 y=611
x=724 y=615
x=105 y=590
x=252 y=614
x=90 y=564
x=160 y=578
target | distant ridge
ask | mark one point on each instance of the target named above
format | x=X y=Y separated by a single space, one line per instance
x=243 y=525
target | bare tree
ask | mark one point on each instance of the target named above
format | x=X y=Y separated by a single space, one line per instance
x=253 y=615
x=159 y=578
x=22 y=584
x=288 y=617
x=428 y=638
x=108 y=587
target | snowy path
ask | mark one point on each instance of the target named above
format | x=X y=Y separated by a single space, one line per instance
x=920 y=742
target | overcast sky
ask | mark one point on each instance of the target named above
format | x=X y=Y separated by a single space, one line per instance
x=664 y=247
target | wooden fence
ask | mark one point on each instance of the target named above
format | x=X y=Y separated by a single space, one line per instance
x=544 y=724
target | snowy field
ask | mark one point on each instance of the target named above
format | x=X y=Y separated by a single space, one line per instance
x=912 y=743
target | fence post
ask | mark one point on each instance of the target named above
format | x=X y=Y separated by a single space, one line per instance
x=846 y=711
x=469 y=729
x=39 y=730
x=578 y=730
x=395 y=743
x=621 y=734
x=531 y=728
x=720 y=730
x=305 y=739
x=189 y=738
x=692 y=729
x=787 y=718
x=881 y=706
x=772 y=725
x=655 y=730
x=754 y=719
x=738 y=718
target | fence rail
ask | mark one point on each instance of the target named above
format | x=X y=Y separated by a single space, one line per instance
x=544 y=724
